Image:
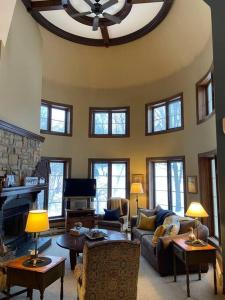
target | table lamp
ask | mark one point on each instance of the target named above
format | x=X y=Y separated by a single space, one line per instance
x=37 y=221
x=136 y=188
x=196 y=210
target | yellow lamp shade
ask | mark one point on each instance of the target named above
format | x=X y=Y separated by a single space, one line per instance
x=136 y=188
x=37 y=221
x=196 y=210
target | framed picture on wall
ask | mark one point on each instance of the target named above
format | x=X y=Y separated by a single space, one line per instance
x=138 y=178
x=192 y=184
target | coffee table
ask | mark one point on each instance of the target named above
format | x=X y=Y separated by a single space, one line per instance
x=75 y=244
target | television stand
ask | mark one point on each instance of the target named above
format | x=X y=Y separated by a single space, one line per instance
x=85 y=216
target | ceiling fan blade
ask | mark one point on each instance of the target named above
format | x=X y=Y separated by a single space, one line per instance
x=112 y=18
x=108 y=4
x=90 y=3
x=95 y=23
x=81 y=14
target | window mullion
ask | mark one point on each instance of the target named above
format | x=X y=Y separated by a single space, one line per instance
x=109 y=180
x=50 y=118
x=169 y=185
x=167 y=115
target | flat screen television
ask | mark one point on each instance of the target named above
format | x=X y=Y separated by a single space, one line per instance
x=77 y=187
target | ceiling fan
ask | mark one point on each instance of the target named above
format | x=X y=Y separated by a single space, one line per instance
x=98 y=9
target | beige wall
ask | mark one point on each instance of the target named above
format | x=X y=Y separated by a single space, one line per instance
x=21 y=72
x=192 y=140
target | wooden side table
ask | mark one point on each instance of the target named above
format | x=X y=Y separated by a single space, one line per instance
x=190 y=255
x=38 y=278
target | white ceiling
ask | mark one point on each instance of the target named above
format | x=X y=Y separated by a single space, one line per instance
x=140 y=15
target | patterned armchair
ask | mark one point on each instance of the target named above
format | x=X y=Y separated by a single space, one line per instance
x=122 y=223
x=109 y=271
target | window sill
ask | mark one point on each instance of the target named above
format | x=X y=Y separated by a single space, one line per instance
x=206 y=118
x=55 y=133
x=164 y=131
x=109 y=136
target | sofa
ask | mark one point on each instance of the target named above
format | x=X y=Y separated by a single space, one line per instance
x=160 y=256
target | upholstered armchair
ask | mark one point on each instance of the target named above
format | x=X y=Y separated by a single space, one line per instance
x=122 y=223
x=109 y=271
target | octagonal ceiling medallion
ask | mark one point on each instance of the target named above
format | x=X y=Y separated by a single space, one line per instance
x=99 y=22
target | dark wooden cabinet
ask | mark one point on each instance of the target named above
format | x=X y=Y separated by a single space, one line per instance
x=85 y=216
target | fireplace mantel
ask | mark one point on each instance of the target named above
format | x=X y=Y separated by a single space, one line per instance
x=19 y=190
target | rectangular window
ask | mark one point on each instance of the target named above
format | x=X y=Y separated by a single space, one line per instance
x=205 y=98
x=111 y=180
x=56 y=118
x=109 y=122
x=52 y=200
x=167 y=177
x=165 y=115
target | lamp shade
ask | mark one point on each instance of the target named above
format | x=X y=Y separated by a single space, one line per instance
x=136 y=188
x=37 y=221
x=196 y=210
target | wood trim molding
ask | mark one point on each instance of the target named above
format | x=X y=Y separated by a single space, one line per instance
x=20 y=131
x=101 y=42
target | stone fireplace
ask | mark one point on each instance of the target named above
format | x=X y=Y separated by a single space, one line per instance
x=19 y=155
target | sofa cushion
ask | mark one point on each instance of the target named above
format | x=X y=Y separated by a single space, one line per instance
x=139 y=233
x=146 y=223
x=148 y=212
x=185 y=226
x=161 y=215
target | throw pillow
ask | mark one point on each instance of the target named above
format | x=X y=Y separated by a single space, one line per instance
x=160 y=231
x=174 y=221
x=146 y=212
x=146 y=223
x=112 y=214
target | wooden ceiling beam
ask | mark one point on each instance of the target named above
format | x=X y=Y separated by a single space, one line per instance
x=143 y=1
x=105 y=35
x=48 y=5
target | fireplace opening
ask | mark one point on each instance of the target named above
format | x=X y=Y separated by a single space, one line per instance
x=14 y=222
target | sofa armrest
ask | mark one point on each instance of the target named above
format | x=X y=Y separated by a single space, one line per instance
x=165 y=241
x=123 y=219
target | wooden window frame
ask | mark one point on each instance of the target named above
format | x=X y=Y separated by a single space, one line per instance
x=68 y=119
x=165 y=102
x=67 y=174
x=202 y=98
x=109 y=110
x=92 y=161
x=150 y=179
x=210 y=221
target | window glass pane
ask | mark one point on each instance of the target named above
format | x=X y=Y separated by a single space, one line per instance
x=210 y=98
x=161 y=184
x=44 y=117
x=159 y=118
x=119 y=180
x=175 y=114
x=177 y=185
x=101 y=121
x=40 y=200
x=58 y=120
x=55 y=193
x=119 y=123
x=150 y=112
x=215 y=198
x=100 y=173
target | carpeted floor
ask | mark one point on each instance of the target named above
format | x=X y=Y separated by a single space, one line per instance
x=150 y=285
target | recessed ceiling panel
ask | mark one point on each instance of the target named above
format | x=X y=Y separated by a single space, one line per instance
x=99 y=22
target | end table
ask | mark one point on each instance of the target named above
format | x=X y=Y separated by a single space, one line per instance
x=190 y=255
x=35 y=278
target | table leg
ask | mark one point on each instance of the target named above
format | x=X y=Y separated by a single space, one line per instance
x=8 y=292
x=187 y=280
x=215 y=282
x=61 y=290
x=41 y=294
x=30 y=294
x=199 y=272
x=73 y=259
x=174 y=268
